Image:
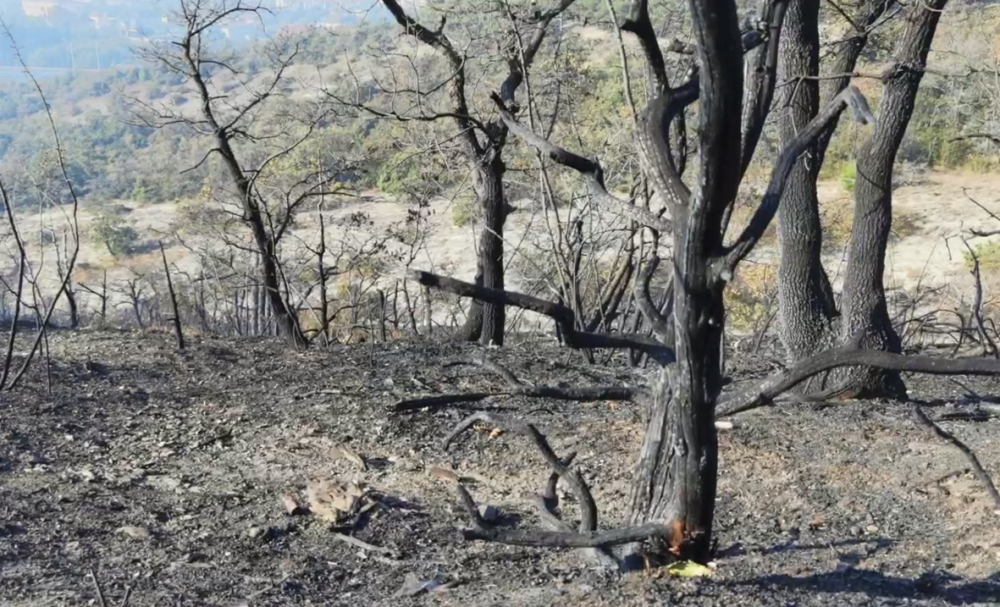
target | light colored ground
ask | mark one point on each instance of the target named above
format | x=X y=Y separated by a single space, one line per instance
x=927 y=254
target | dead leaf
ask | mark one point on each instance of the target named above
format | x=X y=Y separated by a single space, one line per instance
x=291 y=505
x=688 y=569
x=344 y=451
x=333 y=501
x=496 y=432
x=677 y=537
x=442 y=473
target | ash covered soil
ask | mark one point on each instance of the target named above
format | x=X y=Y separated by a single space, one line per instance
x=164 y=471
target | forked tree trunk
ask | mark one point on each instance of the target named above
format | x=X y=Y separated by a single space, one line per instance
x=805 y=298
x=864 y=305
x=678 y=466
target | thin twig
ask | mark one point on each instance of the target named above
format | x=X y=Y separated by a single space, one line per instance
x=977 y=468
x=97 y=586
x=350 y=539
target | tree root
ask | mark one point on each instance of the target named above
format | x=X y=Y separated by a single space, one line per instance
x=562 y=535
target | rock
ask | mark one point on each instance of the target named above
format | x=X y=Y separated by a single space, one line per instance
x=254 y=532
x=165 y=483
x=442 y=473
x=35 y=459
x=488 y=513
x=136 y=533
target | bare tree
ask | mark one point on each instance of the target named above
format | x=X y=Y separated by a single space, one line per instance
x=675 y=487
x=230 y=119
x=101 y=296
x=71 y=251
x=482 y=138
x=809 y=315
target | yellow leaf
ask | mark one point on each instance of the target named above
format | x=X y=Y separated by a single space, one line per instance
x=688 y=569
x=496 y=432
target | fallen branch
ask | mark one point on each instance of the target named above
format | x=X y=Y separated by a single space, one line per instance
x=582 y=394
x=548 y=501
x=97 y=586
x=587 y=537
x=850 y=355
x=564 y=316
x=977 y=468
x=555 y=539
x=472 y=420
x=486 y=363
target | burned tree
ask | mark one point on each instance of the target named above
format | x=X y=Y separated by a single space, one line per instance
x=809 y=315
x=675 y=486
x=229 y=120
x=481 y=137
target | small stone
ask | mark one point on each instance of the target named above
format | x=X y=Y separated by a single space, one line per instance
x=489 y=513
x=872 y=528
x=254 y=532
x=136 y=533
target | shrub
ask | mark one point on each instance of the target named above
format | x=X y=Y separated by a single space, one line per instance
x=114 y=233
x=750 y=298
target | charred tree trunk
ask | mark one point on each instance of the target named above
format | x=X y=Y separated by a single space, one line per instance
x=178 y=331
x=864 y=305
x=472 y=330
x=286 y=320
x=805 y=298
x=491 y=195
x=485 y=321
x=678 y=465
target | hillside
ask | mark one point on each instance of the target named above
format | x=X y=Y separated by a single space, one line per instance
x=164 y=473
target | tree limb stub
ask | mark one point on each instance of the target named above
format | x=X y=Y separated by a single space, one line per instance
x=851 y=98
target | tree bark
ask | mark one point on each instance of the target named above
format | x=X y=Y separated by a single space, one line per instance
x=864 y=303
x=491 y=195
x=678 y=466
x=805 y=299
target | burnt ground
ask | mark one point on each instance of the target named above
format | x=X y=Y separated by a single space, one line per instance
x=164 y=471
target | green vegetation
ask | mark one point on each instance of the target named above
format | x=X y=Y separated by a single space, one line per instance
x=112 y=156
x=114 y=232
x=988 y=254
